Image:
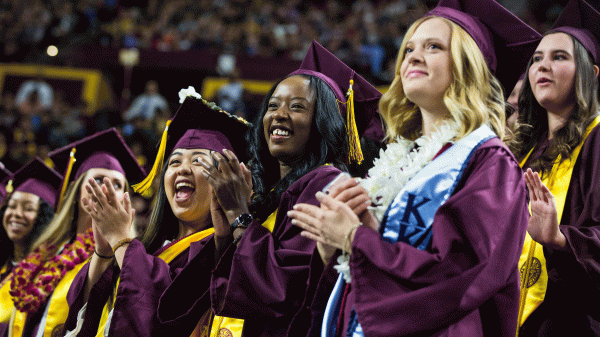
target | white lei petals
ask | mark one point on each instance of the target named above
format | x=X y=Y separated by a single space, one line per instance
x=190 y=91
x=393 y=169
x=399 y=163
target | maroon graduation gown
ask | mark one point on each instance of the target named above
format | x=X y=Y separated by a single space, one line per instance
x=143 y=278
x=571 y=305
x=466 y=283
x=269 y=279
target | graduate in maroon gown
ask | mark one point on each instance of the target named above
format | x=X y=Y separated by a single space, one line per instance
x=438 y=254
x=268 y=277
x=123 y=300
x=45 y=275
x=561 y=144
x=27 y=211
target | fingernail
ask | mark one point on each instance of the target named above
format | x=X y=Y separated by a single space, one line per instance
x=319 y=195
x=293 y=221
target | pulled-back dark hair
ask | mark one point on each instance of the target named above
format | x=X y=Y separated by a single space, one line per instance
x=43 y=217
x=155 y=233
x=163 y=224
x=327 y=144
x=533 y=118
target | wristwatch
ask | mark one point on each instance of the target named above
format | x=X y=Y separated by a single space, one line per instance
x=242 y=221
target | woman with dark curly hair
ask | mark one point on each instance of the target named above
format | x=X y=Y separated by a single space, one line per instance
x=269 y=274
x=25 y=214
x=559 y=140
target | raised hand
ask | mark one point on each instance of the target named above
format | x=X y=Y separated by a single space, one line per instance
x=231 y=183
x=356 y=197
x=543 y=223
x=333 y=225
x=112 y=217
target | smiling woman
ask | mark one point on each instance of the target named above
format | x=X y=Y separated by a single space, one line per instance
x=181 y=225
x=24 y=216
x=560 y=141
x=64 y=247
x=434 y=258
x=269 y=274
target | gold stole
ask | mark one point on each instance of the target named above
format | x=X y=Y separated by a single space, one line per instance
x=227 y=326
x=58 y=308
x=6 y=303
x=532 y=263
x=166 y=255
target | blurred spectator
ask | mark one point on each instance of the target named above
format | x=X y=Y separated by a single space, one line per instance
x=147 y=105
x=8 y=110
x=34 y=96
x=69 y=126
x=230 y=96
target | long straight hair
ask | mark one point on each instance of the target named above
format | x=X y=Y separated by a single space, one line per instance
x=327 y=144
x=533 y=118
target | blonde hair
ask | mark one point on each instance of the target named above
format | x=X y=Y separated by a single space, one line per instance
x=473 y=98
x=64 y=223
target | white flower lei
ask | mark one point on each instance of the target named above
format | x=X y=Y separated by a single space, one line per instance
x=393 y=169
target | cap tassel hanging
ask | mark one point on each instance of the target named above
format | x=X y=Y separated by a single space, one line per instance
x=65 y=183
x=354 y=152
x=144 y=186
x=9 y=187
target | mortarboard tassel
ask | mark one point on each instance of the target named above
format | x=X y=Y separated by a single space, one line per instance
x=66 y=178
x=354 y=150
x=143 y=187
x=9 y=187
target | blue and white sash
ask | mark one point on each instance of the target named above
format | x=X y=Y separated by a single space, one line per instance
x=409 y=217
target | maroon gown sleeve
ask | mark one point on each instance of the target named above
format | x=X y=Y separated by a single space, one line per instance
x=143 y=279
x=467 y=282
x=267 y=275
x=98 y=296
x=574 y=274
x=581 y=216
x=187 y=298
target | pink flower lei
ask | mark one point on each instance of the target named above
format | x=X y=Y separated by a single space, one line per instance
x=35 y=278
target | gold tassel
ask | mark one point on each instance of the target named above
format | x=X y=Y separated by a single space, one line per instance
x=63 y=189
x=144 y=187
x=354 y=150
x=9 y=187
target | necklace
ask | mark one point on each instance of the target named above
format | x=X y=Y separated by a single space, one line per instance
x=394 y=168
x=35 y=278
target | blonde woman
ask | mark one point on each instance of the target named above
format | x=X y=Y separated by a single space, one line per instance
x=439 y=254
x=67 y=243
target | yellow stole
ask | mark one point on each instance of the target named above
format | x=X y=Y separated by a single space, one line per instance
x=532 y=263
x=166 y=255
x=227 y=326
x=6 y=303
x=58 y=308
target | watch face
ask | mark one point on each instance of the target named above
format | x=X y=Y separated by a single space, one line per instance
x=245 y=219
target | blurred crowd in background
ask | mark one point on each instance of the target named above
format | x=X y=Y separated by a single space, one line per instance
x=37 y=118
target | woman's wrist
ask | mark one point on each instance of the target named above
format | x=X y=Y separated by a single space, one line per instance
x=121 y=243
x=235 y=213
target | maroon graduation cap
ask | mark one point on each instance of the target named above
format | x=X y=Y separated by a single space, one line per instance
x=358 y=99
x=39 y=179
x=105 y=149
x=199 y=124
x=582 y=21
x=506 y=42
